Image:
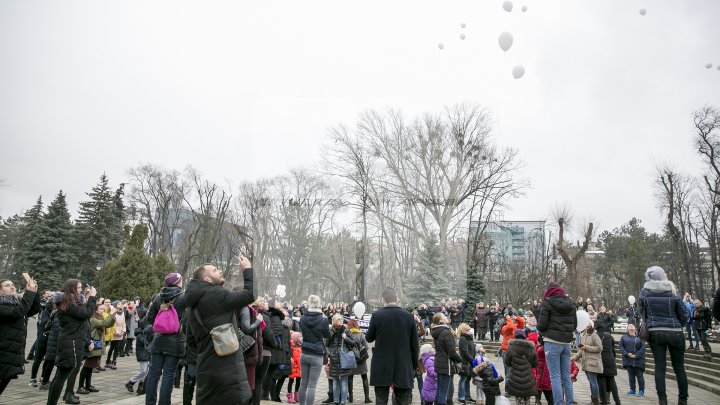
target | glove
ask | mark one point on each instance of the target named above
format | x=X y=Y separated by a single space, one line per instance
x=501 y=379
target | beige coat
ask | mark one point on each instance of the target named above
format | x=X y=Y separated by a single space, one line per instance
x=591 y=356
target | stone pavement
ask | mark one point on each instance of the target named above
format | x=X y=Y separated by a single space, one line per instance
x=112 y=390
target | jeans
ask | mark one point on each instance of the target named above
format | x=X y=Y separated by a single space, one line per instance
x=165 y=365
x=660 y=342
x=340 y=389
x=464 y=388
x=443 y=383
x=402 y=395
x=310 y=369
x=690 y=332
x=635 y=373
x=593 y=380
x=557 y=356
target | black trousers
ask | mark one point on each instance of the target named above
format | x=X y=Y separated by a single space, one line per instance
x=47 y=370
x=3 y=384
x=39 y=356
x=402 y=395
x=607 y=384
x=260 y=372
x=61 y=376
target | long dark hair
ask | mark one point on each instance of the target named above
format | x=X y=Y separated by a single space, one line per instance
x=70 y=294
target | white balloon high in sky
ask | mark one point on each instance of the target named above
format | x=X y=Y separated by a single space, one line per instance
x=441 y=46
x=643 y=11
x=462 y=25
x=508 y=6
x=462 y=36
x=524 y=9
x=518 y=71
x=708 y=66
x=505 y=40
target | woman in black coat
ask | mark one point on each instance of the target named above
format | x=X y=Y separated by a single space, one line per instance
x=467 y=352
x=13 y=328
x=340 y=339
x=276 y=317
x=445 y=352
x=522 y=358
x=73 y=314
x=42 y=339
x=53 y=328
x=606 y=380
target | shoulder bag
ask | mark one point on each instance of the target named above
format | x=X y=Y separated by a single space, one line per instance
x=347 y=357
x=224 y=337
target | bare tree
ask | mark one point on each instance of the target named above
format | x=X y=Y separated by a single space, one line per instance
x=578 y=281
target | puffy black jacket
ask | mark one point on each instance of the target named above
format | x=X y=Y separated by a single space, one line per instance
x=467 y=352
x=608 y=354
x=660 y=308
x=335 y=344
x=315 y=329
x=277 y=353
x=557 y=319
x=445 y=349
x=170 y=345
x=13 y=332
x=703 y=318
x=51 y=351
x=490 y=383
x=141 y=343
x=74 y=329
x=522 y=357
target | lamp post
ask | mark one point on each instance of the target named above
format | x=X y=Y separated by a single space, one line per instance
x=98 y=267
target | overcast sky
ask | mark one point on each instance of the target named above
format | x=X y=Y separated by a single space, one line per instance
x=243 y=90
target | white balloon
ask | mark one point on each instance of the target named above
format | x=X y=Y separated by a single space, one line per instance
x=441 y=46
x=462 y=25
x=505 y=40
x=507 y=6
x=359 y=309
x=583 y=320
x=631 y=299
x=501 y=400
x=524 y=9
x=708 y=65
x=462 y=36
x=518 y=71
x=718 y=67
x=643 y=11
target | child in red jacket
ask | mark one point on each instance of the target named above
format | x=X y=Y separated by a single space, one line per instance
x=295 y=375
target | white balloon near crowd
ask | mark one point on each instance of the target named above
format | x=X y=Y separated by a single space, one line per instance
x=501 y=400
x=505 y=40
x=359 y=310
x=280 y=291
x=631 y=300
x=462 y=25
x=583 y=320
x=518 y=71
x=508 y=6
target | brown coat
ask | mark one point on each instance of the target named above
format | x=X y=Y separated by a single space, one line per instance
x=591 y=355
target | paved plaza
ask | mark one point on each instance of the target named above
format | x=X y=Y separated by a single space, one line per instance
x=112 y=390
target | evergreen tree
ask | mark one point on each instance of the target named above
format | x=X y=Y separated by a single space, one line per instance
x=430 y=282
x=99 y=228
x=35 y=246
x=59 y=248
x=475 y=287
x=134 y=272
x=10 y=235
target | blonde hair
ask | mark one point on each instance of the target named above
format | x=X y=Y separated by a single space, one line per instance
x=258 y=301
x=337 y=317
x=314 y=302
x=462 y=328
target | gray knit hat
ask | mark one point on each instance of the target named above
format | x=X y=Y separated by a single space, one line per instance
x=655 y=273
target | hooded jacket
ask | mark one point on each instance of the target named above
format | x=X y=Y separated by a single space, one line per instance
x=220 y=379
x=466 y=345
x=557 y=320
x=592 y=354
x=315 y=328
x=608 y=354
x=13 y=332
x=72 y=339
x=430 y=382
x=632 y=345
x=521 y=356
x=445 y=348
x=170 y=345
x=660 y=307
x=98 y=324
x=542 y=376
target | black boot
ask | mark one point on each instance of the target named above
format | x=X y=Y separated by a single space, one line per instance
x=682 y=401
x=188 y=390
x=129 y=385
x=141 y=388
x=329 y=400
x=366 y=390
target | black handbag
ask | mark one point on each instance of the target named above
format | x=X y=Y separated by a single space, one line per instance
x=643 y=332
x=246 y=341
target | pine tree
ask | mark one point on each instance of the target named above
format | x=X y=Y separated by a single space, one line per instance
x=429 y=283
x=60 y=230
x=135 y=272
x=35 y=248
x=475 y=286
x=10 y=238
x=99 y=228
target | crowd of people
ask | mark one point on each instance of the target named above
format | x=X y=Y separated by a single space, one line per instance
x=238 y=348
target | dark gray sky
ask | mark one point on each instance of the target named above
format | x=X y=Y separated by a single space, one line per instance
x=242 y=90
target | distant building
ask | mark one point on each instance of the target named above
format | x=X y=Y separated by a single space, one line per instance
x=513 y=240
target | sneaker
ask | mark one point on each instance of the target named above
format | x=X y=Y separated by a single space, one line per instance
x=44 y=386
x=83 y=390
x=631 y=392
x=641 y=393
x=33 y=382
x=129 y=386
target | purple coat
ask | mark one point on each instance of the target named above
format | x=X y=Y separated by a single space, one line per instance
x=430 y=382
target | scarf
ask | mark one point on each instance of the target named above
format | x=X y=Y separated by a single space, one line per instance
x=262 y=324
x=554 y=291
x=354 y=330
x=8 y=300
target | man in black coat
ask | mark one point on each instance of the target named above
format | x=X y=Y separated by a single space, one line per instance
x=394 y=358
x=220 y=379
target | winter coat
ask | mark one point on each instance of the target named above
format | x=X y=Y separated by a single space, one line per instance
x=169 y=345
x=445 y=349
x=481 y=317
x=336 y=343
x=73 y=333
x=690 y=306
x=315 y=328
x=430 y=382
x=296 y=352
x=54 y=323
x=557 y=320
x=592 y=354
x=141 y=344
x=605 y=320
x=359 y=339
x=281 y=353
x=608 y=354
x=131 y=320
x=508 y=331
x=632 y=345
x=13 y=331
x=660 y=307
x=490 y=383
x=466 y=344
x=703 y=318
x=120 y=326
x=542 y=375
x=42 y=333
x=522 y=357
x=220 y=379
x=396 y=351
x=250 y=325
x=109 y=332
x=531 y=322
x=98 y=324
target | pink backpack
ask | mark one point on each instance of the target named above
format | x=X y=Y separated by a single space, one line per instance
x=166 y=320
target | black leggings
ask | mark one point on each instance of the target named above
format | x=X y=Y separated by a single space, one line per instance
x=86 y=377
x=548 y=396
x=47 y=370
x=260 y=372
x=607 y=384
x=61 y=376
x=114 y=350
x=297 y=384
x=39 y=356
x=3 y=384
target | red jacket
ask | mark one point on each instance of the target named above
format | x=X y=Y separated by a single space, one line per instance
x=542 y=378
x=296 y=351
x=508 y=331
